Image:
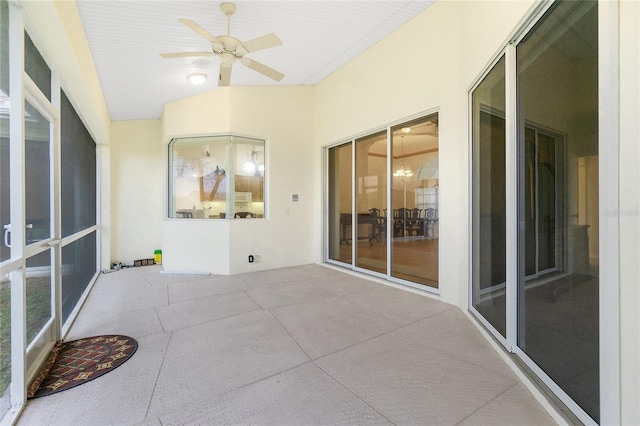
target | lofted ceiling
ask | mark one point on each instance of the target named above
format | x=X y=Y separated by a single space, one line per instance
x=126 y=39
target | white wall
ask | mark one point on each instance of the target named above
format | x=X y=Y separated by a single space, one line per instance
x=138 y=185
x=283 y=115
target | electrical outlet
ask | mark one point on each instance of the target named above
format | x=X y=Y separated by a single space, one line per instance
x=251 y=258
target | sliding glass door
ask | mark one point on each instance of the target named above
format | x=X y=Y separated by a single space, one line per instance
x=489 y=207
x=371 y=202
x=340 y=199
x=557 y=76
x=383 y=208
x=535 y=189
x=415 y=199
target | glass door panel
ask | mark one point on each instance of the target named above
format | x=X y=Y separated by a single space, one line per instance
x=340 y=203
x=5 y=343
x=542 y=208
x=371 y=202
x=5 y=217
x=5 y=190
x=530 y=202
x=489 y=207
x=5 y=178
x=39 y=276
x=414 y=197
x=549 y=210
x=38 y=292
x=78 y=176
x=37 y=175
x=79 y=265
x=558 y=282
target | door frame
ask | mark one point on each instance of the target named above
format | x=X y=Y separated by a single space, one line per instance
x=26 y=360
x=560 y=262
x=38 y=350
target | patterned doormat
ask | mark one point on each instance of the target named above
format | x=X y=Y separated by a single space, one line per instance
x=73 y=363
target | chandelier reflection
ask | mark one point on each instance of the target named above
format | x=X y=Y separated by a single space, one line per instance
x=403 y=172
x=252 y=166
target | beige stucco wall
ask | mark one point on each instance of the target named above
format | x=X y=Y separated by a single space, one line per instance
x=287 y=235
x=426 y=65
x=138 y=185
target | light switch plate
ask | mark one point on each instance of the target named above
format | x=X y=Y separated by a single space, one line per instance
x=294 y=197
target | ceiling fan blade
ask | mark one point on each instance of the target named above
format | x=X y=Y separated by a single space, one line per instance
x=262 y=69
x=197 y=28
x=185 y=54
x=224 y=78
x=264 y=42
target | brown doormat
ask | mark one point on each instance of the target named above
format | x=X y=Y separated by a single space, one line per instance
x=80 y=361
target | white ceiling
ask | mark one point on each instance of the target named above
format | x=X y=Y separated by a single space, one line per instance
x=126 y=38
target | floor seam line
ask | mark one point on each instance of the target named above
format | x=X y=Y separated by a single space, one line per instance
x=302 y=302
x=486 y=403
x=289 y=334
x=208 y=295
x=353 y=393
x=160 y=321
x=398 y=328
x=155 y=385
x=217 y=319
x=265 y=378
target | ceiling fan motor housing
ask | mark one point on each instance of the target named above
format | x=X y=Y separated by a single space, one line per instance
x=227 y=58
x=229 y=44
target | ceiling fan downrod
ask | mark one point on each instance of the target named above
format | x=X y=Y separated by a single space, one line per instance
x=228 y=9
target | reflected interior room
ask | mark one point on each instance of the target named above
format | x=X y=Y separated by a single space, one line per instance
x=411 y=225
x=558 y=282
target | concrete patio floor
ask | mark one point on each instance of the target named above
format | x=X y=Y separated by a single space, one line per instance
x=302 y=345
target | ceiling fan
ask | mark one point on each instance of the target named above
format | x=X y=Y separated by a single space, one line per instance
x=229 y=48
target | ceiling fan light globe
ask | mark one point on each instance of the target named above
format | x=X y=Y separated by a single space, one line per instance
x=197 y=78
